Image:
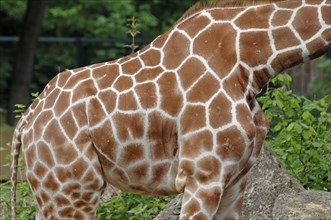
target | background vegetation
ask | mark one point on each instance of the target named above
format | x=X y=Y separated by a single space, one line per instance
x=300 y=131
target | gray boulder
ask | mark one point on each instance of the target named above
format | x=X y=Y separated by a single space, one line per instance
x=271 y=194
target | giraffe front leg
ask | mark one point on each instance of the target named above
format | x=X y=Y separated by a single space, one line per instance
x=202 y=192
x=232 y=200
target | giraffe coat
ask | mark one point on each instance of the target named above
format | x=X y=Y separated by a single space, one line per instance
x=178 y=115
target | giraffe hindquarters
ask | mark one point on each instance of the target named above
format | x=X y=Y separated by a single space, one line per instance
x=66 y=180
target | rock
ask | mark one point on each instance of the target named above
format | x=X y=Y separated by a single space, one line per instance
x=267 y=180
x=269 y=186
x=304 y=206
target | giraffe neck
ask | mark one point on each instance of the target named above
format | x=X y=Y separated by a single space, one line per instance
x=257 y=42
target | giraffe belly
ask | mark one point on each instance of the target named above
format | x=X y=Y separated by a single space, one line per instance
x=139 y=159
x=145 y=178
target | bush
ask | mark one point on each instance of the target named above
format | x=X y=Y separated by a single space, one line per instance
x=300 y=133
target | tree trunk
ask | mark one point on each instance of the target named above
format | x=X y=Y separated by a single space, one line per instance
x=23 y=66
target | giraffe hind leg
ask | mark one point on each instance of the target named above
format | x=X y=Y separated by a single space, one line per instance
x=65 y=186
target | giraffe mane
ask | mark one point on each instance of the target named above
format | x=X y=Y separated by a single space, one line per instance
x=221 y=4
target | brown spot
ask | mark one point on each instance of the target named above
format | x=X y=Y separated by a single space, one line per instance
x=61 y=200
x=255 y=18
x=306 y=28
x=231 y=144
x=103 y=139
x=286 y=60
x=34 y=182
x=131 y=153
x=131 y=66
x=151 y=58
x=226 y=14
x=139 y=172
x=39 y=201
x=120 y=176
x=64 y=152
x=192 y=207
x=40 y=121
x=204 y=89
x=148 y=74
x=62 y=78
x=106 y=75
x=147 y=95
x=95 y=113
x=210 y=198
x=317 y=47
x=79 y=112
x=261 y=78
x=236 y=84
x=78 y=168
x=70 y=188
x=127 y=125
x=210 y=169
x=40 y=170
x=289 y=4
x=197 y=144
x=190 y=71
x=244 y=117
x=326 y=14
x=123 y=83
x=127 y=101
x=78 y=215
x=160 y=41
x=77 y=78
x=44 y=196
x=50 y=183
x=88 y=209
x=108 y=100
x=79 y=204
x=97 y=65
x=30 y=157
x=162 y=136
x=284 y=38
x=193 y=25
x=175 y=50
x=188 y=166
x=221 y=54
x=49 y=101
x=48 y=211
x=281 y=17
x=68 y=124
x=255 y=48
x=159 y=172
x=62 y=174
x=171 y=98
x=44 y=154
x=220 y=111
x=193 y=118
x=67 y=212
x=62 y=103
x=84 y=89
x=87 y=197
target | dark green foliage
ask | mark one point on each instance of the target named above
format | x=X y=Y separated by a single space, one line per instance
x=300 y=133
x=129 y=206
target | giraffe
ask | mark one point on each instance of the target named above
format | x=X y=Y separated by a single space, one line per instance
x=180 y=115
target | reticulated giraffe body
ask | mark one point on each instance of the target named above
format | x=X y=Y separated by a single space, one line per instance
x=180 y=115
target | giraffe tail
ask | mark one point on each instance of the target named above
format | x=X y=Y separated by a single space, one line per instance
x=15 y=151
